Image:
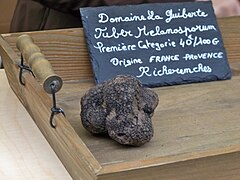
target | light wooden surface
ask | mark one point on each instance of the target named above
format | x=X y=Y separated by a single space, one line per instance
x=24 y=152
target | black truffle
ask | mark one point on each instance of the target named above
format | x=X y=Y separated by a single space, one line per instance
x=122 y=108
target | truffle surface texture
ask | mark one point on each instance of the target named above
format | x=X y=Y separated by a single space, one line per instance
x=121 y=108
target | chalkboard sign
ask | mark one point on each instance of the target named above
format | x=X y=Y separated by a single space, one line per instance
x=160 y=43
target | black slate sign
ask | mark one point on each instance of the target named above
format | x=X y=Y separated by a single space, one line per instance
x=160 y=44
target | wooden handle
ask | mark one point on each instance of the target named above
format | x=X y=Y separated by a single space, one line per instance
x=40 y=66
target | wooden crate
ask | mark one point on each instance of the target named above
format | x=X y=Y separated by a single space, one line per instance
x=196 y=126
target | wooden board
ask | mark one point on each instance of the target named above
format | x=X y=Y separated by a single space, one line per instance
x=197 y=126
x=24 y=152
x=189 y=118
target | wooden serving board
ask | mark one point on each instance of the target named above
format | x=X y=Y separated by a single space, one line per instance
x=189 y=118
x=196 y=126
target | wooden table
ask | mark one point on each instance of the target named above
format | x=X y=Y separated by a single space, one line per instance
x=205 y=145
x=24 y=152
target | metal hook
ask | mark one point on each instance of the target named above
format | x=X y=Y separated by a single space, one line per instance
x=23 y=67
x=55 y=110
